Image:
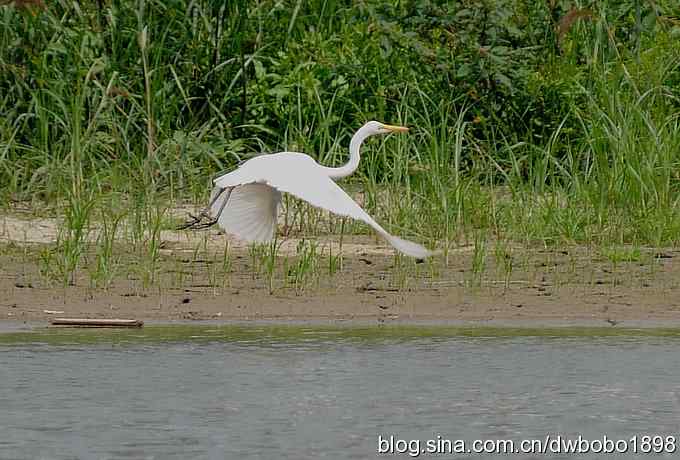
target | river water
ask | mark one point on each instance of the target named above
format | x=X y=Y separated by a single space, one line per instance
x=322 y=395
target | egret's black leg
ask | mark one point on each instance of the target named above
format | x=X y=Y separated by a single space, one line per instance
x=197 y=223
x=195 y=220
x=224 y=205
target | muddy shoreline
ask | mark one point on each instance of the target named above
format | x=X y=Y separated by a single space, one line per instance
x=361 y=295
x=402 y=308
x=515 y=284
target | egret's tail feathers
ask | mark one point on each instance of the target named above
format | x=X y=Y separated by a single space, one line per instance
x=408 y=247
x=250 y=212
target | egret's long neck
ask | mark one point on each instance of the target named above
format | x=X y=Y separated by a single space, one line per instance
x=351 y=166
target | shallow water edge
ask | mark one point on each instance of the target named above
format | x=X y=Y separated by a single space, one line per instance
x=261 y=332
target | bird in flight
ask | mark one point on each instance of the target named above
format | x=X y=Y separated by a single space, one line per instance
x=245 y=201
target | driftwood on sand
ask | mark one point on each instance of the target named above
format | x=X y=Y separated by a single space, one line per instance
x=87 y=322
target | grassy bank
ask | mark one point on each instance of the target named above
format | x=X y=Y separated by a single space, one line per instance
x=533 y=123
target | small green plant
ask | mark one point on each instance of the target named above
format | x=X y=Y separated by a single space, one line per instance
x=335 y=260
x=72 y=240
x=47 y=265
x=270 y=260
x=264 y=258
x=405 y=270
x=257 y=255
x=106 y=259
x=478 y=259
x=305 y=269
x=151 y=255
x=504 y=261
x=622 y=254
x=226 y=264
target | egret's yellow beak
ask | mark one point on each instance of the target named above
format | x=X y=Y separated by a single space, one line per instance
x=399 y=129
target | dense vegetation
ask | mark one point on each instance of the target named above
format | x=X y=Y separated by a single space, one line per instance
x=548 y=120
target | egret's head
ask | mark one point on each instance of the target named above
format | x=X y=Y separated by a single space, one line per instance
x=375 y=127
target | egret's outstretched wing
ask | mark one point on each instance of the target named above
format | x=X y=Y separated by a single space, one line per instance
x=322 y=192
x=300 y=176
x=249 y=212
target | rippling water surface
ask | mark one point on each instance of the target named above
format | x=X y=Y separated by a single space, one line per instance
x=327 y=395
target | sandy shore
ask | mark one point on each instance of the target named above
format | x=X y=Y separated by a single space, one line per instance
x=546 y=285
x=363 y=291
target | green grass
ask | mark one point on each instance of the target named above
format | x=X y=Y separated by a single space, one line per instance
x=113 y=115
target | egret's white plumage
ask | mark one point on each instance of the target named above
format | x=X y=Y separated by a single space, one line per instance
x=245 y=201
x=248 y=212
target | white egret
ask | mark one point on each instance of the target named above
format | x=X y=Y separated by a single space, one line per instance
x=245 y=201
